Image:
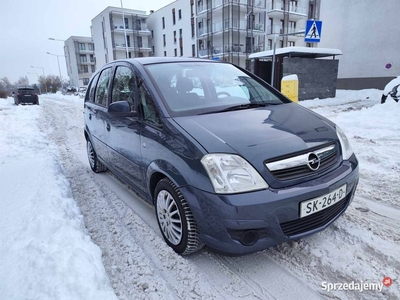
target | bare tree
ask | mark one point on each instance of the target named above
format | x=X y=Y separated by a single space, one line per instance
x=6 y=85
x=51 y=82
x=22 y=81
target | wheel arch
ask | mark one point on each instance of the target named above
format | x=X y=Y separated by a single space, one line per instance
x=160 y=169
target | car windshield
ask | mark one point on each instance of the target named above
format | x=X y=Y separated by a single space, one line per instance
x=190 y=88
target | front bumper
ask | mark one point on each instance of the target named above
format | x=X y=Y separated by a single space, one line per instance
x=244 y=223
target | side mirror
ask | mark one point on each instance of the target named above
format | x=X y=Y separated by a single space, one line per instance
x=121 y=109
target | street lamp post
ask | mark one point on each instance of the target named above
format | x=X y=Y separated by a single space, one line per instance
x=44 y=76
x=58 y=62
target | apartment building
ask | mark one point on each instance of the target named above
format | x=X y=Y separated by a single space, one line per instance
x=80 y=59
x=173 y=31
x=231 y=30
x=120 y=33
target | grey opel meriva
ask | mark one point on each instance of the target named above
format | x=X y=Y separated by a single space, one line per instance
x=226 y=160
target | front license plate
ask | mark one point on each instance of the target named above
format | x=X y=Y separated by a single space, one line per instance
x=312 y=206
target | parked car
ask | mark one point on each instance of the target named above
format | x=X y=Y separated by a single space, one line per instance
x=392 y=89
x=25 y=95
x=230 y=163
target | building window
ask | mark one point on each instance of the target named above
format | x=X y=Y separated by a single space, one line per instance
x=180 y=14
x=165 y=42
x=126 y=23
x=281 y=43
x=292 y=26
x=152 y=34
x=84 y=69
x=191 y=9
x=173 y=16
x=192 y=29
x=269 y=44
x=93 y=69
x=85 y=81
x=176 y=52
x=193 y=50
x=91 y=58
x=181 y=51
x=83 y=58
x=180 y=33
x=165 y=53
x=91 y=46
x=174 y=36
x=139 y=41
x=153 y=50
x=163 y=23
x=81 y=46
x=291 y=44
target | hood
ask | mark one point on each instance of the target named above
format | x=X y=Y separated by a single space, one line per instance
x=261 y=133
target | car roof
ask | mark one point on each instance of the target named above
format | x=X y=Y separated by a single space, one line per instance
x=162 y=59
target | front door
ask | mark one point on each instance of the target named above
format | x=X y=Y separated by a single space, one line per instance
x=124 y=132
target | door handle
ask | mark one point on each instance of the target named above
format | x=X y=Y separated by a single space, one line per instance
x=108 y=127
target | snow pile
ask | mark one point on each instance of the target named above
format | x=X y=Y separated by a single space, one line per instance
x=45 y=251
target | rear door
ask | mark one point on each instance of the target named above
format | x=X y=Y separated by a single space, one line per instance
x=96 y=104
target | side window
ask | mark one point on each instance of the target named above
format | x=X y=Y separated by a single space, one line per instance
x=150 y=113
x=92 y=88
x=123 y=85
x=102 y=87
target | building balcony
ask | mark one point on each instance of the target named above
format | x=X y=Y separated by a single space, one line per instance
x=230 y=49
x=203 y=7
x=231 y=24
x=276 y=10
x=121 y=47
x=276 y=29
x=142 y=29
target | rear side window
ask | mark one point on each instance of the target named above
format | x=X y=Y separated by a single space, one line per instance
x=92 y=88
x=102 y=87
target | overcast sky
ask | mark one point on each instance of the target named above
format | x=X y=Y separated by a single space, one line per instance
x=27 y=25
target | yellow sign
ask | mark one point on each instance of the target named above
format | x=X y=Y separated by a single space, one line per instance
x=290 y=87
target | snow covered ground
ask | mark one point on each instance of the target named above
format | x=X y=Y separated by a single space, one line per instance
x=67 y=233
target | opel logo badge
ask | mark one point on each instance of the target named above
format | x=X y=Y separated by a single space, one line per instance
x=313 y=161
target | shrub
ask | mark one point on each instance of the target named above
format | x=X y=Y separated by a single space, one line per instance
x=3 y=94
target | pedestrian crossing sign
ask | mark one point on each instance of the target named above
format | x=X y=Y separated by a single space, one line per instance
x=313 y=31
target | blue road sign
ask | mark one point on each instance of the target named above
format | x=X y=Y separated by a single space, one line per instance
x=313 y=31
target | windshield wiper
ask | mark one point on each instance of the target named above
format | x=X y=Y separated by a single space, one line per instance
x=243 y=106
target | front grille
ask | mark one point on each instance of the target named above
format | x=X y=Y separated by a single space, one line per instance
x=296 y=172
x=296 y=167
x=313 y=221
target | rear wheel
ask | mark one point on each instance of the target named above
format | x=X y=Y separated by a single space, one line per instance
x=175 y=219
x=94 y=162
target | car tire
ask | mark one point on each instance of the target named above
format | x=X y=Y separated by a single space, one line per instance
x=94 y=162
x=172 y=209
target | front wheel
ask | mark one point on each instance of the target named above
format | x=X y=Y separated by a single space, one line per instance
x=94 y=162
x=175 y=219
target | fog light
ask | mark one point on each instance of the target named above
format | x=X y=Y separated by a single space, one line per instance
x=249 y=238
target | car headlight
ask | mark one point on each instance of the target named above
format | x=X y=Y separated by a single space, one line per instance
x=347 y=151
x=230 y=173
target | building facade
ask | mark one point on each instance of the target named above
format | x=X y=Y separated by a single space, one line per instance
x=80 y=58
x=368 y=34
x=173 y=29
x=120 y=33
